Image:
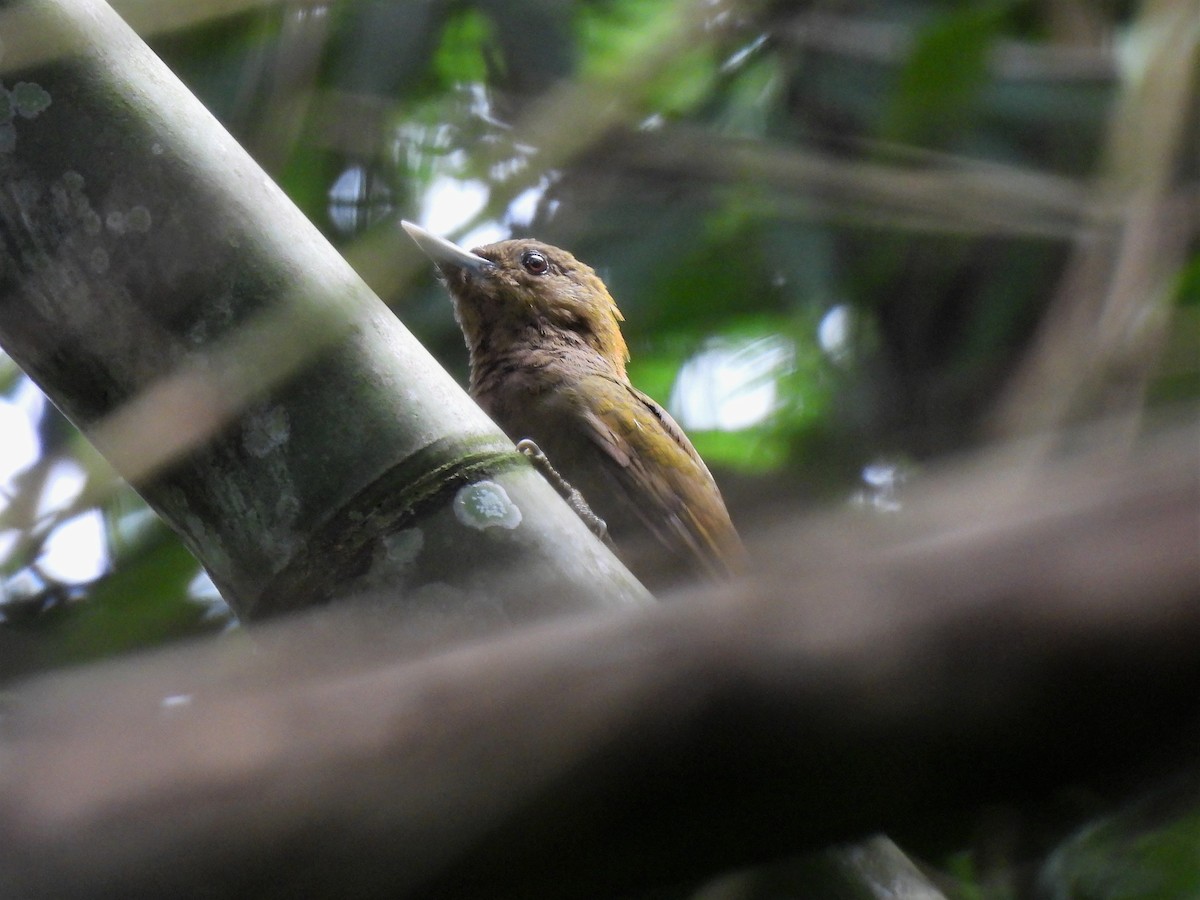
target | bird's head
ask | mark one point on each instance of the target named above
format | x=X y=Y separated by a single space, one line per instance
x=522 y=288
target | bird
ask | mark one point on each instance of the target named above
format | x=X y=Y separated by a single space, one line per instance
x=548 y=364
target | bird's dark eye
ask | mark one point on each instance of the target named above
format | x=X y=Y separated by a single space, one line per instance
x=535 y=263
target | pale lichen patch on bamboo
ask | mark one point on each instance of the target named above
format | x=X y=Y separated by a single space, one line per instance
x=485 y=504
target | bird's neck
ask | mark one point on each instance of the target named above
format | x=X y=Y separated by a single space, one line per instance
x=536 y=358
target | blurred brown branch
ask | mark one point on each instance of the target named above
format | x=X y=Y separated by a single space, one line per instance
x=1101 y=338
x=946 y=194
x=888 y=43
x=1007 y=633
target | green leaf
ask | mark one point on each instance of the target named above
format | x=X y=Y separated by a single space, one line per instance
x=617 y=39
x=945 y=71
x=462 y=56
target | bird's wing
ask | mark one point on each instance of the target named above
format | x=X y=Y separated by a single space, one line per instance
x=662 y=476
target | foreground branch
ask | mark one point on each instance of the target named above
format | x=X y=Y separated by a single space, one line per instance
x=1004 y=635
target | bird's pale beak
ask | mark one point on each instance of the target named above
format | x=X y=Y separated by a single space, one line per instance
x=445 y=253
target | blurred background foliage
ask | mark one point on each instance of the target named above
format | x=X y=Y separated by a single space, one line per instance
x=833 y=228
